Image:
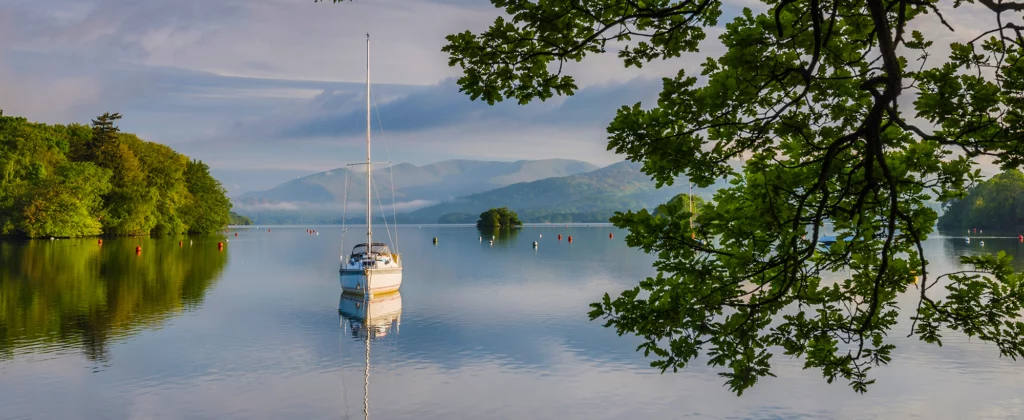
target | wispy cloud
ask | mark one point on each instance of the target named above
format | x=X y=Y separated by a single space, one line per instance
x=443 y=105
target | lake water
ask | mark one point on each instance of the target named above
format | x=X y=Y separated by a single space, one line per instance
x=479 y=331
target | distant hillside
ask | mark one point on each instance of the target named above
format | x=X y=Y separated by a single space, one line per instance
x=589 y=197
x=241 y=181
x=415 y=186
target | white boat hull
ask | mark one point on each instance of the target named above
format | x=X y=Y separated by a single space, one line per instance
x=381 y=310
x=374 y=281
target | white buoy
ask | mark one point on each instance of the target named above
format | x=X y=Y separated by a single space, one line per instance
x=492 y=237
x=982 y=243
x=542 y=235
x=534 y=244
x=491 y=242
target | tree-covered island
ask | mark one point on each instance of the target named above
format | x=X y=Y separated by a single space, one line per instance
x=499 y=218
x=80 y=180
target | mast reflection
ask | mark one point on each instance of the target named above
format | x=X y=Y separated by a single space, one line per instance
x=370 y=319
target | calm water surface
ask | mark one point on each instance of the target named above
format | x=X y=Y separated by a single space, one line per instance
x=478 y=331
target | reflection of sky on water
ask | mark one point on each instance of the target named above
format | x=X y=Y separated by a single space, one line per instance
x=486 y=332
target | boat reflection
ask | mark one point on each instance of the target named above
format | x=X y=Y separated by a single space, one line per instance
x=370 y=319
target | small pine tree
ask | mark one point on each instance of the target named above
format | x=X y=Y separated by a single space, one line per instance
x=104 y=135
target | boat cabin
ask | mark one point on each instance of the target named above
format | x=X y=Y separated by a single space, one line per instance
x=377 y=249
x=376 y=256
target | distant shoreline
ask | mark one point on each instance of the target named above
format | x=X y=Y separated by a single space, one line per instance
x=472 y=225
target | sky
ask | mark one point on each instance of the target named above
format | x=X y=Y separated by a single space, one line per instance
x=268 y=90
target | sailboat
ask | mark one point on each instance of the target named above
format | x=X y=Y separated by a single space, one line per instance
x=370 y=319
x=371 y=268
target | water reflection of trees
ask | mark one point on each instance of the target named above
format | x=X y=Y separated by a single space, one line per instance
x=498 y=234
x=955 y=247
x=75 y=293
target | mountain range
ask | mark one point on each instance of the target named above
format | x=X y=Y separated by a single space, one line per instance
x=423 y=184
x=587 y=197
x=457 y=191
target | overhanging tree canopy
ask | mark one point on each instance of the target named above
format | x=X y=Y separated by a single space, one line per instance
x=809 y=93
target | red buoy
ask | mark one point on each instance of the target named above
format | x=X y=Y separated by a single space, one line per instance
x=236 y=233
x=268 y=230
x=570 y=238
x=610 y=236
x=559 y=236
x=179 y=243
x=1020 y=237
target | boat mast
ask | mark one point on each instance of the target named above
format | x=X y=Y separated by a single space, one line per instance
x=691 y=205
x=366 y=373
x=369 y=196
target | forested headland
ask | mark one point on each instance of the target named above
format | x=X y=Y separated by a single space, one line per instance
x=997 y=203
x=85 y=180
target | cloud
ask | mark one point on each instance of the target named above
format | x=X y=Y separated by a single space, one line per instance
x=443 y=105
x=334 y=207
x=423 y=125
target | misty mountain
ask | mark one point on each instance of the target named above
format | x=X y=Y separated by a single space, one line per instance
x=240 y=181
x=588 y=197
x=415 y=186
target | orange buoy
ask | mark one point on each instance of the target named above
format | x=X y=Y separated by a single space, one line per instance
x=570 y=238
x=138 y=249
x=99 y=242
x=220 y=244
x=179 y=244
x=559 y=236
